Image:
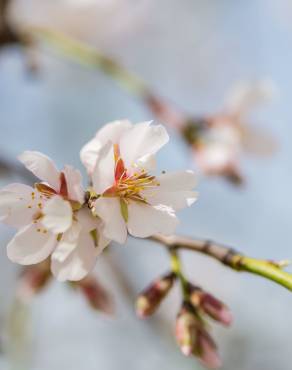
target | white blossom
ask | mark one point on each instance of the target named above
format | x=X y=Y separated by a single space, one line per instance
x=129 y=198
x=52 y=220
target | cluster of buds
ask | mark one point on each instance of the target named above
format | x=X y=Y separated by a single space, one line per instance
x=192 y=331
x=34 y=279
x=194 y=339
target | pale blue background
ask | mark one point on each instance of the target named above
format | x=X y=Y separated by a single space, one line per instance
x=191 y=52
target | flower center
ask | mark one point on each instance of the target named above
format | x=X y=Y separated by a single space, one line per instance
x=129 y=185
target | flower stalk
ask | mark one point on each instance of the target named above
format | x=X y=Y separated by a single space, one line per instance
x=89 y=56
x=268 y=269
x=176 y=267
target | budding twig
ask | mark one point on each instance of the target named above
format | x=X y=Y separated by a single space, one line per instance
x=268 y=269
x=87 y=55
x=129 y=81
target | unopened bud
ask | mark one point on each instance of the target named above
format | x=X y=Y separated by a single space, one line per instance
x=194 y=340
x=97 y=297
x=211 y=306
x=149 y=300
x=34 y=279
x=233 y=175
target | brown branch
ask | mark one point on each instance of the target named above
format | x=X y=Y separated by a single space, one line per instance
x=230 y=257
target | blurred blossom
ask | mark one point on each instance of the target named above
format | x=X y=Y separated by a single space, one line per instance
x=99 y=22
x=219 y=140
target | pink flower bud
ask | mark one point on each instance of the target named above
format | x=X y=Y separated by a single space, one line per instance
x=149 y=300
x=211 y=306
x=207 y=351
x=97 y=297
x=33 y=280
x=194 y=340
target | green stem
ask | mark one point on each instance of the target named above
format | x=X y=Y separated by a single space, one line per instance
x=176 y=267
x=265 y=269
x=87 y=55
x=229 y=257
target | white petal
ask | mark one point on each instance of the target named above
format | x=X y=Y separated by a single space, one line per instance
x=88 y=222
x=17 y=205
x=73 y=260
x=145 y=220
x=179 y=180
x=174 y=190
x=110 y=132
x=104 y=171
x=142 y=141
x=108 y=209
x=74 y=184
x=57 y=215
x=86 y=219
x=31 y=245
x=89 y=153
x=42 y=167
x=113 y=131
x=68 y=243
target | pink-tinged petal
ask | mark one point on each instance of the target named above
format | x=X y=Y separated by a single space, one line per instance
x=58 y=216
x=42 y=167
x=110 y=132
x=74 y=257
x=174 y=190
x=142 y=141
x=114 y=226
x=145 y=220
x=74 y=184
x=18 y=204
x=104 y=172
x=31 y=245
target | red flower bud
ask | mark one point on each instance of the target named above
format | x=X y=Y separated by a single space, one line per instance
x=97 y=297
x=33 y=280
x=149 y=300
x=194 y=340
x=211 y=306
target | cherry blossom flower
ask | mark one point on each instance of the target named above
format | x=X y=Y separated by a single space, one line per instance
x=52 y=220
x=218 y=141
x=127 y=197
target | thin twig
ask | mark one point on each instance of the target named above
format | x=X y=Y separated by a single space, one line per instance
x=228 y=256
